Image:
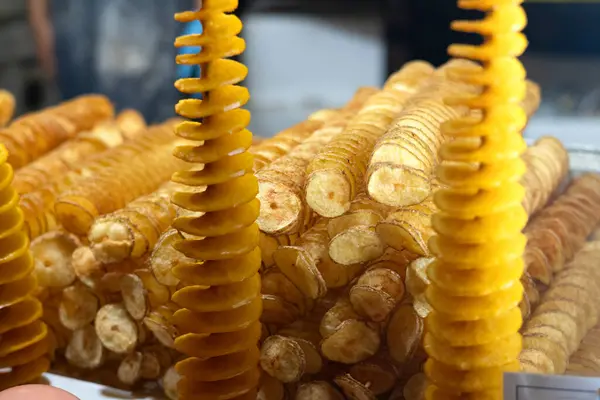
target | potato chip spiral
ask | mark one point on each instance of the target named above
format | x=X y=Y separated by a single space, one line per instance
x=473 y=333
x=23 y=336
x=220 y=296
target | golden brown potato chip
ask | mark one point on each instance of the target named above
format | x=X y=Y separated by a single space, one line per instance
x=377 y=373
x=404 y=333
x=376 y=293
x=351 y=342
x=318 y=390
x=116 y=329
x=283 y=359
x=353 y=389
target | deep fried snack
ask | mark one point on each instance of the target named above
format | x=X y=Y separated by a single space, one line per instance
x=281 y=185
x=52 y=259
x=381 y=287
x=133 y=231
x=533 y=97
x=293 y=352
x=113 y=180
x=405 y=157
x=283 y=142
x=24 y=345
x=107 y=169
x=116 y=329
x=269 y=244
x=85 y=349
x=559 y=230
x=78 y=307
x=336 y=173
x=353 y=389
x=472 y=333
x=547 y=166
x=308 y=265
x=346 y=338
x=32 y=135
x=67 y=157
x=7 y=107
x=378 y=373
x=408 y=228
x=221 y=304
x=353 y=238
x=284 y=302
x=586 y=360
x=318 y=390
x=567 y=312
x=130 y=123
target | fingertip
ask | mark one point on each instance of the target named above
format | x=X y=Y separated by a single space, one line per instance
x=36 y=392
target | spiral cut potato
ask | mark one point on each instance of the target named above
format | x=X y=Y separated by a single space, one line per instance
x=35 y=134
x=130 y=123
x=220 y=293
x=533 y=97
x=7 y=107
x=586 y=360
x=24 y=345
x=283 y=142
x=547 y=167
x=335 y=174
x=67 y=157
x=103 y=177
x=281 y=184
x=308 y=265
x=352 y=236
x=560 y=230
x=567 y=312
x=113 y=180
x=405 y=157
x=472 y=334
x=134 y=230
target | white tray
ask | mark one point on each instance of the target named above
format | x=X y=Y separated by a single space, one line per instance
x=92 y=391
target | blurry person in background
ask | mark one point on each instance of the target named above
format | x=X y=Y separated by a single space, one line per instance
x=120 y=48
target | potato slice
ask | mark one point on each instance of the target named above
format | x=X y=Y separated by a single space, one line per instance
x=353 y=389
x=85 y=349
x=52 y=258
x=116 y=329
x=353 y=341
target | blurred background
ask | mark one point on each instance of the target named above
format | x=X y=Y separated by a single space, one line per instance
x=302 y=54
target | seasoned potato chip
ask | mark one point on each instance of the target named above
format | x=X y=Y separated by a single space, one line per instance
x=353 y=389
x=377 y=373
x=52 y=258
x=318 y=390
x=116 y=329
x=351 y=342
x=134 y=296
x=130 y=369
x=404 y=333
x=85 y=349
x=78 y=307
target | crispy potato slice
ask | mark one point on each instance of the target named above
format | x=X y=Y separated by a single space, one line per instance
x=351 y=342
